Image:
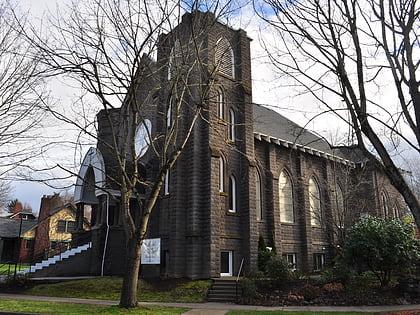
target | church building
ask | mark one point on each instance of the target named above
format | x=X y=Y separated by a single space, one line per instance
x=246 y=172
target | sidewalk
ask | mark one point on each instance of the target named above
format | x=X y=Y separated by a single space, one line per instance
x=222 y=308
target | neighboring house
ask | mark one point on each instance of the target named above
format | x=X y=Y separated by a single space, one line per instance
x=42 y=238
x=19 y=220
x=53 y=232
x=9 y=237
x=246 y=171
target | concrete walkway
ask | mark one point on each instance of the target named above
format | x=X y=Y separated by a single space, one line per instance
x=222 y=308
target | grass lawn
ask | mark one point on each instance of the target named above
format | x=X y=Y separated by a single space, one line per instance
x=109 y=288
x=75 y=309
x=10 y=268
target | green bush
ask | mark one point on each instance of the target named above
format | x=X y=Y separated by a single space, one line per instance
x=278 y=269
x=255 y=274
x=337 y=273
x=383 y=246
x=249 y=291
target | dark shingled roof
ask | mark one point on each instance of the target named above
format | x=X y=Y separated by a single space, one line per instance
x=270 y=123
x=10 y=227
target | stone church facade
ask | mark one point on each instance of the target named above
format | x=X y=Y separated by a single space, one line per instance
x=246 y=172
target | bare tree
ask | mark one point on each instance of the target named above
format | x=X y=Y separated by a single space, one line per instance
x=5 y=195
x=21 y=93
x=106 y=47
x=366 y=55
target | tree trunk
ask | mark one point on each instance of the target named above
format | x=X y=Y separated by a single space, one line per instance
x=129 y=288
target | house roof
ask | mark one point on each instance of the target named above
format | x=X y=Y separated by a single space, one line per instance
x=67 y=205
x=30 y=215
x=271 y=126
x=10 y=227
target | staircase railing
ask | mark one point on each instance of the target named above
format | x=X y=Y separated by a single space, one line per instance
x=6 y=268
x=59 y=249
x=238 y=276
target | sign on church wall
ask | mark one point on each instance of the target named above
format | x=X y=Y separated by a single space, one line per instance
x=150 y=251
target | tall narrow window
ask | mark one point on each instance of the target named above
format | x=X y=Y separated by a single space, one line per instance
x=169 y=112
x=166 y=184
x=314 y=202
x=384 y=204
x=339 y=213
x=232 y=194
x=258 y=197
x=221 y=174
x=174 y=60
x=224 y=58
x=221 y=105
x=232 y=133
x=286 y=198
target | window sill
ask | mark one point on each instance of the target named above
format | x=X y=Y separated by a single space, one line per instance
x=222 y=122
x=224 y=194
x=287 y=223
x=231 y=213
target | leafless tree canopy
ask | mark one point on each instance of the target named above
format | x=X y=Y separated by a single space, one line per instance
x=364 y=54
x=21 y=92
x=107 y=47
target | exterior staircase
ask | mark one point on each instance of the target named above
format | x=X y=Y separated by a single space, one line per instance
x=57 y=258
x=224 y=290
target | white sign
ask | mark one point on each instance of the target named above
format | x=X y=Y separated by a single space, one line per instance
x=150 y=251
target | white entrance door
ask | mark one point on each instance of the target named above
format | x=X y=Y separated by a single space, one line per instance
x=226 y=264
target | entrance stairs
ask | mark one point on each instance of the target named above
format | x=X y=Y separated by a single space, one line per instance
x=55 y=259
x=226 y=289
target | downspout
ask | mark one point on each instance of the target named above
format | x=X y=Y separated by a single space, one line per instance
x=106 y=235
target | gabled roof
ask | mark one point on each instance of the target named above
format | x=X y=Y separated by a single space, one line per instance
x=67 y=205
x=10 y=227
x=273 y=127
x=30 y=215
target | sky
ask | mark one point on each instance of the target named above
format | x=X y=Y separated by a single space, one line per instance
x=266 y=91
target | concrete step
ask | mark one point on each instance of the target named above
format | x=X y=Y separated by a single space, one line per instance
x=224 y=290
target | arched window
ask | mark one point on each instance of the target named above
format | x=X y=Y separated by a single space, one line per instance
x=339 y=214
x=169 y=112
x=221 y=174
x=221 y=105
x=232 y=133
x=166 y=183
x=174 y=59
x=384 y=204
x=232 y=194
x=258 y=195
x=285 y=197
x=224 y=58
x=314 y=202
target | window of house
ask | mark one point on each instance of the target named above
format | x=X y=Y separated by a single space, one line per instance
x=291 y=260
x=258 y=196
x=29 y=244
x=64 y=226
x=314 y=202
x=232 y=134
x=224 y=58
x=285 y=197
x=232 y=194
x=319 y=261
x=166 y=183
x=221 y=174
x=221 y=105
